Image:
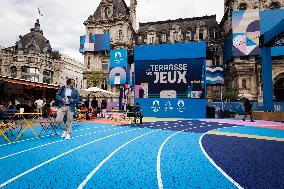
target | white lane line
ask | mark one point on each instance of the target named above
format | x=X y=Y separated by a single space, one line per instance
x=159 y=175
x=107 y=158
x=112 y=154
x=42 y=136
x=59 y=156
x=47 y=144
x=216 y=166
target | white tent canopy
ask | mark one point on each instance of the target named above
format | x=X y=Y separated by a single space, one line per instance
x=98 y=92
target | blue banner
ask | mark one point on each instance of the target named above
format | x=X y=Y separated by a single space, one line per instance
x=94 y=43
x=173 y=108
x=118 y=58
x=170 y=80
x=182 y=78
x=118 y=67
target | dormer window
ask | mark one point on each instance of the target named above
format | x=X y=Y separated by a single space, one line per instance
x=188 y=35
x=140 y=39
x=214 y=33
x=201 y=35
x=13 y=70
x=106 y=12
x=164 y=38
x=32 y=49
x=175 y=37
x=151 y=38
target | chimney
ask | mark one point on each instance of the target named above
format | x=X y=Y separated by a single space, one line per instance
x=133 y=4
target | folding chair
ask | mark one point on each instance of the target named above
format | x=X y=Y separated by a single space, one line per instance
x=4 y=127
x=48 y=125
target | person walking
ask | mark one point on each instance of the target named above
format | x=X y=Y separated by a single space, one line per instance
x=67 y=98
x=138 y=113
x=248 y=109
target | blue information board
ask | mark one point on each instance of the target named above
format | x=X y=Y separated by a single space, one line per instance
x=170 y=80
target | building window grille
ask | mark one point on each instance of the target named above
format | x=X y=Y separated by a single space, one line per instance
x=201 y=37
x=13 y=71
x=152 y=39
x=47 y=76
x=106 y=12
x=31 y=74
x=164 y=38
x=139 y=39
x=104 y=84
x=175 y=37
x=188 y=35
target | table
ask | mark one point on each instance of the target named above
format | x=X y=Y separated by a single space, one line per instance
x=29 y=122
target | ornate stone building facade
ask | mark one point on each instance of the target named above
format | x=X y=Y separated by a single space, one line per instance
x=32 y=58
x=186 y=30
x=244 y=74
x=71 y=69
x=114 y=17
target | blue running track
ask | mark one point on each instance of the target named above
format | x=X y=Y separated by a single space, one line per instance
x=157 y=154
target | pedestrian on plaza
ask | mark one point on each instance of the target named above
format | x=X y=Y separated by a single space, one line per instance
x=10 y=105
x=67 y=98
x=104 y=108
x=138 y=113
x=248 y=109
x=40 y=103
x=94 y=104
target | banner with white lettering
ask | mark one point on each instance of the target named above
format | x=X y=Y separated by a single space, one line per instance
x=181 y=78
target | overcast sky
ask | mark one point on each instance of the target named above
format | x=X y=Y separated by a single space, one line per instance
x=62 y=23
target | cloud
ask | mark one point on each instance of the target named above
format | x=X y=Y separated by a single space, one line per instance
x=62 y=21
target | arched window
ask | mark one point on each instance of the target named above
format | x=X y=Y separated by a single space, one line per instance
x=188 y=35
x=32 y=49
x=104 y=84
x=13 y=70
x=214 y=33
x=244 y=83
x=151 y=38
x=201 y=34
x=106 y=12
x=47 y=76
x=120 y=34
x=140 y=39
x=164 y=37
x=175 y=36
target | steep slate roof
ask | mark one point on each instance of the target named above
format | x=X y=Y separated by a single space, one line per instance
x=185 y=24
x=119 y=7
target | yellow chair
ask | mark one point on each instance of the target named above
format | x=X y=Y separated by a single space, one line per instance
x=4 y=127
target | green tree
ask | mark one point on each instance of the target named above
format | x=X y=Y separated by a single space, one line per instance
x=231 y=95
x=243 y=6
x=275 y=5
x=96 y=78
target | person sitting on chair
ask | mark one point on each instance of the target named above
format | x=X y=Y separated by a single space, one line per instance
x=138 y=113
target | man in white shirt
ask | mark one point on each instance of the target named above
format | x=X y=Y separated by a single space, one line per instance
x=39 y=105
